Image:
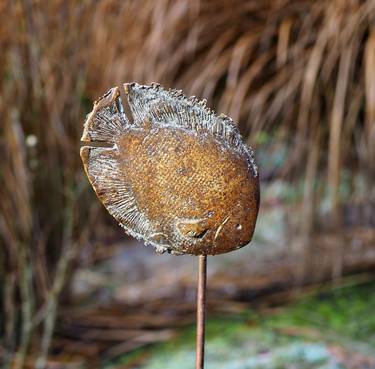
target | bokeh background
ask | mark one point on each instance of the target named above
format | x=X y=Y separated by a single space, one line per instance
x=299 y=78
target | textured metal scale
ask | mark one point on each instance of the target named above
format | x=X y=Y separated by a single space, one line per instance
x=178 y=176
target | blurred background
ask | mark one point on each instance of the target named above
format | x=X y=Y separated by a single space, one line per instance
x=299 y=78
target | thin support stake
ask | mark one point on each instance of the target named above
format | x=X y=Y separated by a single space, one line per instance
x=201 y=310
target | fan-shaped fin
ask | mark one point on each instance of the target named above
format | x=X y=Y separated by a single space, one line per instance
x=103 y=168
x=171 y=107
x=107 y=119
x=156 y=105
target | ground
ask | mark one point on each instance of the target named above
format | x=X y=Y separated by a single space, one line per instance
x=332 y=329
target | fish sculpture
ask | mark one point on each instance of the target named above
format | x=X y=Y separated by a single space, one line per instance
x=176 y=175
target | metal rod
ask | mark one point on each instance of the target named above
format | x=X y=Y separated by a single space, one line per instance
x=201 y=311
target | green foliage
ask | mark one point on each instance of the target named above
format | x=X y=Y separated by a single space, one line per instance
x=345 y=312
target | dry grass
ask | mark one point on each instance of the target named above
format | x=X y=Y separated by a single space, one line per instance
x=302 y=68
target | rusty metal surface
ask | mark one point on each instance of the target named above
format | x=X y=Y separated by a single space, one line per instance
x=201 y=312
x=179 y=177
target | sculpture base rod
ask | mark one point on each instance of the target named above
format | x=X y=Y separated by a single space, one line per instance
x=201 y=310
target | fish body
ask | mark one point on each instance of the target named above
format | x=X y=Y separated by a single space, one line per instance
x=179 y=177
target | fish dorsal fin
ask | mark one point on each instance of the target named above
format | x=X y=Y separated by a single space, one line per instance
x=167 y=107
x=107 y=120
x=173 y=108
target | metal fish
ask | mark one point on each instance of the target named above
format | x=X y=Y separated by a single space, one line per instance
x=179 y=177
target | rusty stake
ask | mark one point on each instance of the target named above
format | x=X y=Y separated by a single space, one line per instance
x=201 y=310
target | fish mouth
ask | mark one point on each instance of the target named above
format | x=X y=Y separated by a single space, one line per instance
x=198 y=235
x=193 y=229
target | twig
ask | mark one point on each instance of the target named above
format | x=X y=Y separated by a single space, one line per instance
x=51 y=307
x=27 y=305
x=49 y=312
x=9 y=313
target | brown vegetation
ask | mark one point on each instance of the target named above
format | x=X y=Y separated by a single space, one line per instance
x=302 y=69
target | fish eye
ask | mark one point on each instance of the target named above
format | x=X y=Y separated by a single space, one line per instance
x=238 y=226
